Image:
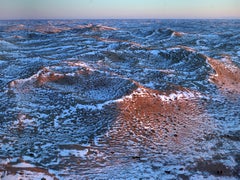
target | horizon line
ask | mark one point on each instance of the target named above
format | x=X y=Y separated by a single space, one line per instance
x=224 y=18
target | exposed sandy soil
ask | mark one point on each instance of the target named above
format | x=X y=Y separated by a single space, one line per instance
x=227 y=75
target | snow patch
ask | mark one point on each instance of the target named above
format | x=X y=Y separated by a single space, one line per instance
x=73 y=152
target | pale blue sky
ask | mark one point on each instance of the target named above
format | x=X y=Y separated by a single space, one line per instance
x=119 y=9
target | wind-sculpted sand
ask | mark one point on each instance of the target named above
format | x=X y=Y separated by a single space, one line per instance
x=119 y=99
x=158 y=120
x=227 y=75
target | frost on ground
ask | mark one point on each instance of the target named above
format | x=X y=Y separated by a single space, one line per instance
x=117 y=99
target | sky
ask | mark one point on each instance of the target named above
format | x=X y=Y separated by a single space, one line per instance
x=104 y=9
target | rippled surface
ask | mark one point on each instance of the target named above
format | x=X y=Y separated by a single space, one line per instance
x=122 y=99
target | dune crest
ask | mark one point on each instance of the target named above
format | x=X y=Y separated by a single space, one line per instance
x=227 y=74
x=158 y=120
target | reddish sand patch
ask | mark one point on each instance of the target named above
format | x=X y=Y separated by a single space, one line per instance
x=24 y=170
x=50 y=29
x=42 y=77
x=48 y=76
x=227 y=74
x=153 y=120
x=178 y=34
